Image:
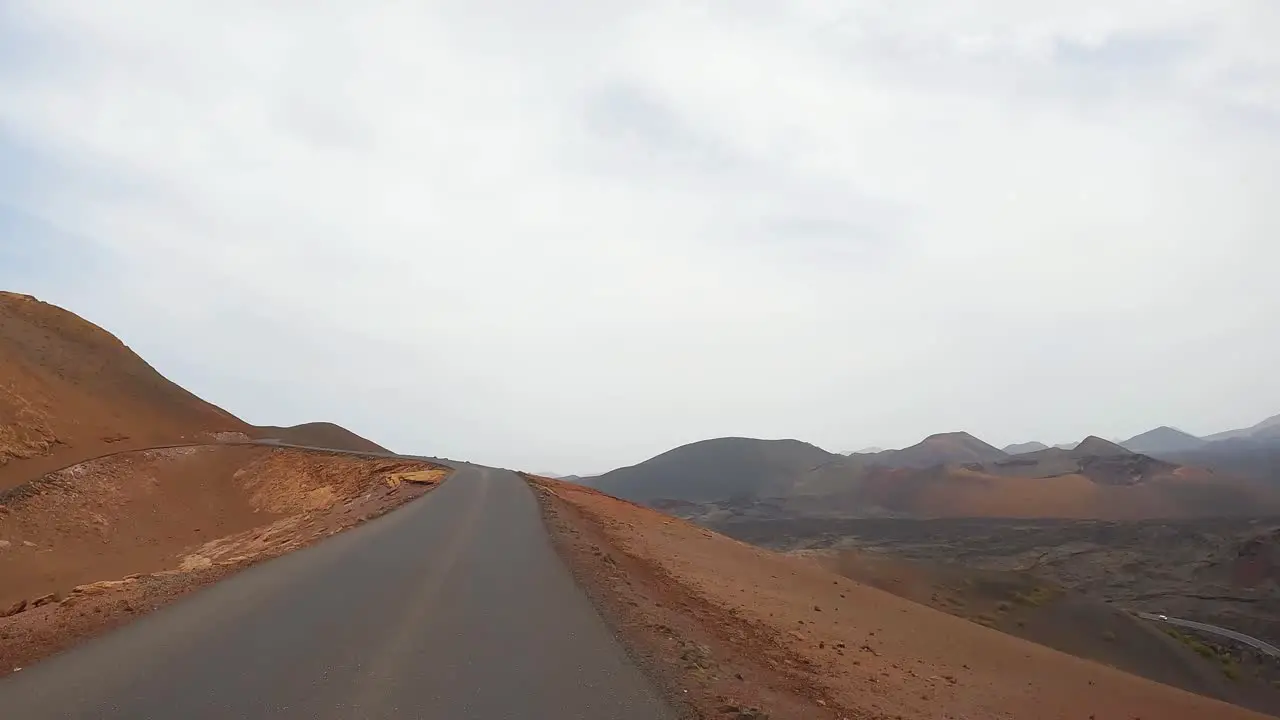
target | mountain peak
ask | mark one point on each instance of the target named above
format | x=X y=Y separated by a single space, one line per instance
x=953 y=435
x=941 y=449
x=1163 y=439
x=1094 y=445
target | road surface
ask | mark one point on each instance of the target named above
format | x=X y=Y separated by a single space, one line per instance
x=1249 y=640
x=454 y=607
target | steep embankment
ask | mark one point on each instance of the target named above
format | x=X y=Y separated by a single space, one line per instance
x=70 y=391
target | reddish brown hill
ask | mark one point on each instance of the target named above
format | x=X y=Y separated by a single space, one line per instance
x=70 y=390
x=319 y=434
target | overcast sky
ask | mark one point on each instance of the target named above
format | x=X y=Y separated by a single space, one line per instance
x=566 y=236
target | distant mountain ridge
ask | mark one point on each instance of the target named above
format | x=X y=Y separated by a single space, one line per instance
x=1026 y=447
x=1269 y=428
x=950 y=474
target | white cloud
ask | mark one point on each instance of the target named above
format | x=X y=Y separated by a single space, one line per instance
x=567 y=236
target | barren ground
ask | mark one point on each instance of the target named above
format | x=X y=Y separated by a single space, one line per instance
x=738 y=631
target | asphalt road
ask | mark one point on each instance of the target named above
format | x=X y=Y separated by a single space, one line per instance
x=1249 y=640
x=454 y=607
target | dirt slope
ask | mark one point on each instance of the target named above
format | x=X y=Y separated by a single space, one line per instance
x=319 y=434
x=1221 y=571
x=70 y=391
x=144 y=511
x=746 y=632
x=1026 y=606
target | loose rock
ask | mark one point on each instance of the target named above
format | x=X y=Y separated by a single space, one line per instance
x=14 y=609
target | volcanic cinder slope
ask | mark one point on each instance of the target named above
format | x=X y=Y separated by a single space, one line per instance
x=319 y=434
x=70 y=391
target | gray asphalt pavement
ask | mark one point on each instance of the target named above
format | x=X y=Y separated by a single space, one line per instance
x=454 y=607
x=1249 y=640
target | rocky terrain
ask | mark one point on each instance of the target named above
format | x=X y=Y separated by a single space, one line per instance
x=743 y=632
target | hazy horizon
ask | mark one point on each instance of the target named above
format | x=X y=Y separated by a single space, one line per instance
x=569 y=238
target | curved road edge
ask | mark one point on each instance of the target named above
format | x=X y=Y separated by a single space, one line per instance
x=1249 y=640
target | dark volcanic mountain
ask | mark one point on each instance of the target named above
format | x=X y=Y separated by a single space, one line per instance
x=939 y=449
x=1102 y=461
x=719 y=469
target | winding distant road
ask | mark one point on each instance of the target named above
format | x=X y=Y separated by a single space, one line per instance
x=1249 y=640
x=454 y=607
